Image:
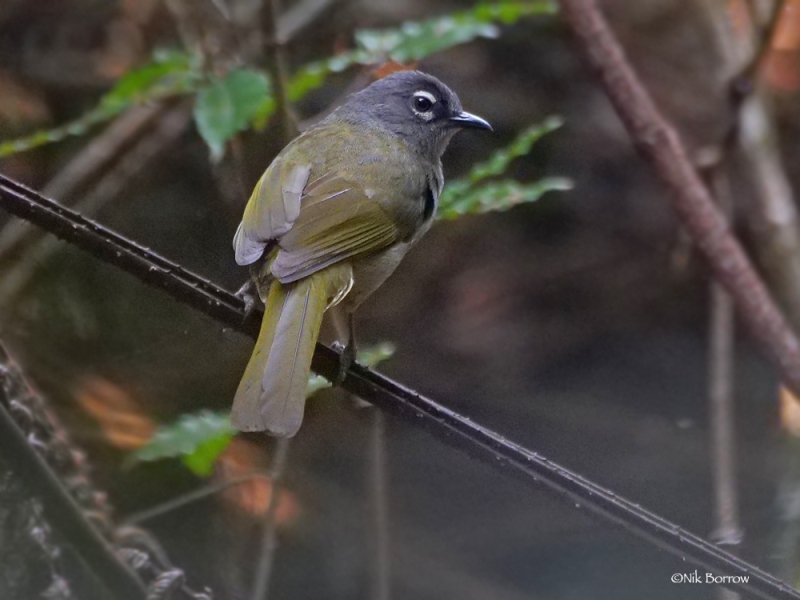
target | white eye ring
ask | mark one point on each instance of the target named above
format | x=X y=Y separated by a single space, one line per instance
x=422 y=97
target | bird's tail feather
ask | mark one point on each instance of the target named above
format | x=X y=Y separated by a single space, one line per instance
x=272 y=393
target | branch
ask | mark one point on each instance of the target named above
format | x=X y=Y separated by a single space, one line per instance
x=63 y=512
x=445 y=424
x=659 y=144
x=269 y=533
x=276 y=63
x=45 y=437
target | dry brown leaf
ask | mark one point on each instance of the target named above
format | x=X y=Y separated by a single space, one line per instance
x=789 y=411
x=782 y=64
x=240 y=458
x=787 y=30
x=390 y=67
x=120 y=418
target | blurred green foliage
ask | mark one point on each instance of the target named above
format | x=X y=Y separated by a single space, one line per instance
x=481 y=192
x=226 y=106
x=199 y=438
x=170 y=74
x=229 y=105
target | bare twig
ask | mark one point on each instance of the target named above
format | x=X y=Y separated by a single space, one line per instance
x=659 y=143
x=269 y=538
x=447 y=425
x=168 y=129
x=97 y=155
x=379 y=493
x=189 y=498
x=298 y=17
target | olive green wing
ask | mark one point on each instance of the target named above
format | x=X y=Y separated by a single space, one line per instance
x=337 y=220
x=271 y=210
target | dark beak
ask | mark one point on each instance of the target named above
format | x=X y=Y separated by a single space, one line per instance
x=465 y=119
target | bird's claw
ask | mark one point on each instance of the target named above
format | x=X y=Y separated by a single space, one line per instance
x=347 y=356
x=249 y=296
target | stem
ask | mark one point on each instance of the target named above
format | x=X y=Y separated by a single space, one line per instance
x=379 y=492
x=269 y=540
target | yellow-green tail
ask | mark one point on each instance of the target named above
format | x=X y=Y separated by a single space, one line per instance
x=272 y=393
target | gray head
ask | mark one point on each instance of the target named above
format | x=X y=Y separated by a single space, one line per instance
x=416 y=107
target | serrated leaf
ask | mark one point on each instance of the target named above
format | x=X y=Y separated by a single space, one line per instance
x=479 y=193
x=228 y=105
x=521 y=146
x=499 y=196
x=196 y=438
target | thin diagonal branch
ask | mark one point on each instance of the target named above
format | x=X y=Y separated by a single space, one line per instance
x=190 y=497
x=658 y=142
x=447 y=425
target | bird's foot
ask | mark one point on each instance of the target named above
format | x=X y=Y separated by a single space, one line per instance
x=347 y=356
x=249 y=295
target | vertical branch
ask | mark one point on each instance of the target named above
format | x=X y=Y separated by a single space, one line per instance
x=276 y=63
x=721 y=347
x=379 y=496
x=269 y=538
x=659 y=143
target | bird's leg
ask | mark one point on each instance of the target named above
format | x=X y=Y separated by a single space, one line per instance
x=249 y=295
x=347 y=354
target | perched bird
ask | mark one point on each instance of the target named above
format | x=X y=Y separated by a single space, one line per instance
x=329 y=221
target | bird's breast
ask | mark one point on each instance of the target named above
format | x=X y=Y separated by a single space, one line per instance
x=369 y=272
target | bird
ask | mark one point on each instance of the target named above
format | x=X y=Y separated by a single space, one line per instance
x=328 y=221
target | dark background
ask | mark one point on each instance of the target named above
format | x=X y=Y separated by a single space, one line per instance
x=575 y=326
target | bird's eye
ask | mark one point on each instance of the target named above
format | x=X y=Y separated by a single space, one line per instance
x=423 y=102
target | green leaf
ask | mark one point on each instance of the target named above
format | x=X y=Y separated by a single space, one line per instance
x=197 y=438
x=374 y=355
x=228 y=105
x=315 y=384
x=369 y=357
x=201 y=461
x=498 y=196
x=479 y=192
x=521 y=146
x=168 y=75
